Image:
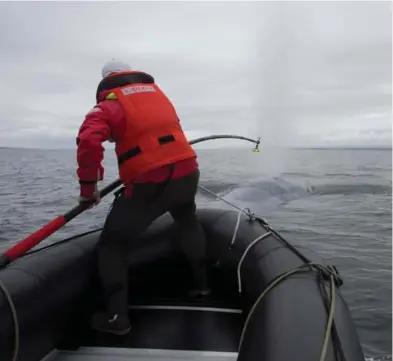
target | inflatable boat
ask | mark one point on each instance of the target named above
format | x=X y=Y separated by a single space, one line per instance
x=270 y=300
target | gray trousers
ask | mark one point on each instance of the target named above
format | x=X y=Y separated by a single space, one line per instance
x=131 y=216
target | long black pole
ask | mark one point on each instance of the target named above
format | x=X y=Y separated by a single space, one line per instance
x=35 y=238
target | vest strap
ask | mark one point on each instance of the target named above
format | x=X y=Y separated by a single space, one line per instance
x=133 y=152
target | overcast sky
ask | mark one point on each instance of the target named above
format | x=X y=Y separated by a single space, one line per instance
x=297 y=73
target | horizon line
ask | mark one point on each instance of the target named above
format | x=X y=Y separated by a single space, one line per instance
x=379 y=147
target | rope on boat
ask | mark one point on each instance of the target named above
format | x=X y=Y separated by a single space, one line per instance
x=326 y=272
x=318 y=268
x=14 y=320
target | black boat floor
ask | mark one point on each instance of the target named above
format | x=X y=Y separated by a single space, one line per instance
x=176 y=329
x=164 y=321
x=196 y=326
x=192 y=331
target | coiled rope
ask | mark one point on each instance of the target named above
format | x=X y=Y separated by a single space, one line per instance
x=328 y=272
x=315 y=267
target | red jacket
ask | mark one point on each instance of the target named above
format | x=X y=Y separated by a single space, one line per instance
x=106 y=121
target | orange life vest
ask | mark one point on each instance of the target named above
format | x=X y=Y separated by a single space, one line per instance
x=153 y=136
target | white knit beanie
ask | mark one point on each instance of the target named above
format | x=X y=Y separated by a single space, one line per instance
x=114 y=66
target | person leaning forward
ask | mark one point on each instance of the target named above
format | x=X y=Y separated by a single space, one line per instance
x=159 y=171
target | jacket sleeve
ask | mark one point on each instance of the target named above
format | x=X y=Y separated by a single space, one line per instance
x=93 y=132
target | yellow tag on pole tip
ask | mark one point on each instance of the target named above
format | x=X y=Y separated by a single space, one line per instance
x=256 y=149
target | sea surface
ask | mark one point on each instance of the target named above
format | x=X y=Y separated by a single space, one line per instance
x=336 y=202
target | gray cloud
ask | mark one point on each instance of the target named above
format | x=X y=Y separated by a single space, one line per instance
x=297 y=73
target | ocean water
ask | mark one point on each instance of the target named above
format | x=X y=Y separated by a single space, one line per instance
x=336 y=202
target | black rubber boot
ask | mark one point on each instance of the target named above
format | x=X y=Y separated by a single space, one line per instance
x=116 y=324
x=197 y=292
x=200 y=279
